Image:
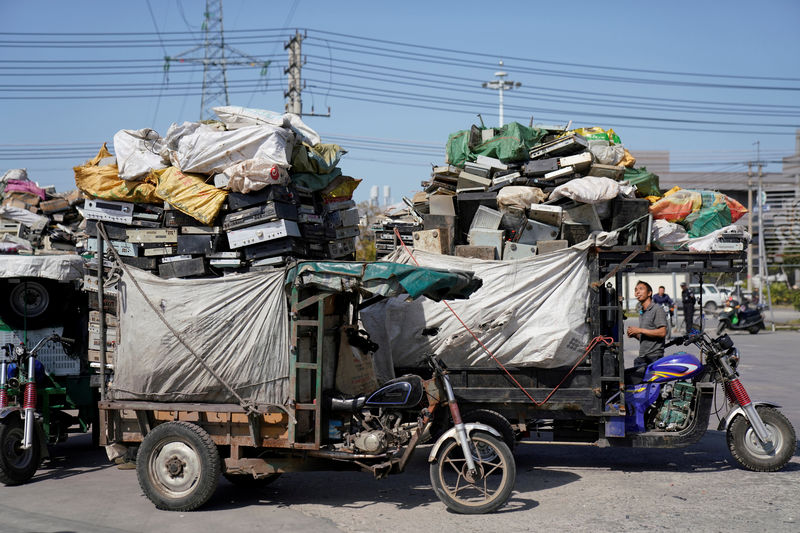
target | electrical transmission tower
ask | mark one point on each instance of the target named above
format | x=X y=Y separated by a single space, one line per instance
x=214 y=60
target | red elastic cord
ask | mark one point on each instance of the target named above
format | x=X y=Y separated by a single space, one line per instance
x=608 y=341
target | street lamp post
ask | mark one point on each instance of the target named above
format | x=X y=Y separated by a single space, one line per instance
x=501 y=84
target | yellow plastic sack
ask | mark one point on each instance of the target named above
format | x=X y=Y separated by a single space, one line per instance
x=189 y=193
x=340 y=189
x=103 y=182
x=627 y=160
x=672 y=191
x=596 y=133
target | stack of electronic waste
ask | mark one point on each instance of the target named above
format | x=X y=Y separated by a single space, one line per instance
x=36 y=219
x=254 y=191
x=553 y=188
x=252 y=231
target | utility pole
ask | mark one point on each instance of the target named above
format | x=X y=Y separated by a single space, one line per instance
x=750 y=225
x=293 y=95
x=295 y=101
x=500 y=84
x=214 y=60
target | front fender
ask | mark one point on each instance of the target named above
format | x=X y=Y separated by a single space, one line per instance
x=451 y=434
x=733 y=413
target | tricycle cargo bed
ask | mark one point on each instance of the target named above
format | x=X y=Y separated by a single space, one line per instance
x=128 y=422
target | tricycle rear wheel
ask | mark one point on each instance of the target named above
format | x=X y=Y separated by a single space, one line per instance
x=483 y=493
x=178 y=466
x=17 y=465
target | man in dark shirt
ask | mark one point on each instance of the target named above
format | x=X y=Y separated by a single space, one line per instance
x=688 y=301
x=662 y=298
x=652 y=326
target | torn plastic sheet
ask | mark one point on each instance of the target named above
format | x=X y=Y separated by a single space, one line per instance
x=529 y=312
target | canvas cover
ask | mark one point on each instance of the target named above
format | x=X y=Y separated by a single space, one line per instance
x=529 y=312
x=57 y=266
x=238 y=323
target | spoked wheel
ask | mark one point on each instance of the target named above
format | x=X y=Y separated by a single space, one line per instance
x=482 y=491
x=249 y=482
x=178 y=466
x=754 y=455
x=17 y=465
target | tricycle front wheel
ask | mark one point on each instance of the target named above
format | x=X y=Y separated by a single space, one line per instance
x=17 y=465
x=482 y=492
x=755 y=455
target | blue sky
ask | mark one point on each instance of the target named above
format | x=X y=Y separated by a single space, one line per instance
x=703 y=80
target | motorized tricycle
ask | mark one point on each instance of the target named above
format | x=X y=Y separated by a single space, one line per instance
x=33 y=409
x=183 y=448
x=664 y=397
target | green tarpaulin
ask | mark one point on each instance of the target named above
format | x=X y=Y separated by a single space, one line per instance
x=510 y=143
x=384 y=279
x=646 y=182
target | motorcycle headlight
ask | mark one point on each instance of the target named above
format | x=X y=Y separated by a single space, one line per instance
x=19 y=351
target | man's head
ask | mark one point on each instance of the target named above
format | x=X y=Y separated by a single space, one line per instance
x=683 y=285
x=643 y=291
x=661 y=290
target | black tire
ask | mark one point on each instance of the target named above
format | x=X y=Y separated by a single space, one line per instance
x=495 y=480
x=494 y=420
x=30 y=303
x=748 y=451
x=17 y=465
x=753 y=330
x=178 y=466
x=721 y=327
x=710 y=307
x=249 y=482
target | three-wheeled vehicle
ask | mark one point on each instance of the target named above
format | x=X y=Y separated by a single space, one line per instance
x=667 y=404
x=184 y=446
x=46 y=392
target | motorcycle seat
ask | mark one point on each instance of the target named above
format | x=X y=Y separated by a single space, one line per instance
x=349 y=405
x=635 y=375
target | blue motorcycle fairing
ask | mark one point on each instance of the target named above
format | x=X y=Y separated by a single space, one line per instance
x=679 y=366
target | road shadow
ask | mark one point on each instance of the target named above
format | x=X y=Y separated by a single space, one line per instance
x=358 y=490
x=73 y=457
x=711 y=454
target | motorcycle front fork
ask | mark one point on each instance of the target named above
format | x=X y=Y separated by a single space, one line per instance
x=736 y=392
x=29 y=404
x=461 y=430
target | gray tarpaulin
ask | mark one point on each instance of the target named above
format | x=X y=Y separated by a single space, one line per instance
x=529 y=312
x=58 y=267
x=238 y=323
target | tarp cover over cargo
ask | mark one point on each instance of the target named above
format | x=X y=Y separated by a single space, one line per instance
x=529 y=312
x=239 y=324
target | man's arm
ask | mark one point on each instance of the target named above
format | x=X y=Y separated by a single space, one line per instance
x=659 y=333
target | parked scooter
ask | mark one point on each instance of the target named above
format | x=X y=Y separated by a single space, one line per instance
x=672 y=398
x=738 y=317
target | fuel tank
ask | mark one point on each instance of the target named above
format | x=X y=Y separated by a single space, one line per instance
x=678 y=366
x=405 y=391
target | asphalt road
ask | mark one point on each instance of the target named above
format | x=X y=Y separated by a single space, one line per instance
x=575 y=488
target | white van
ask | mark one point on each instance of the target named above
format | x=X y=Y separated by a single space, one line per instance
x=712 y=298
